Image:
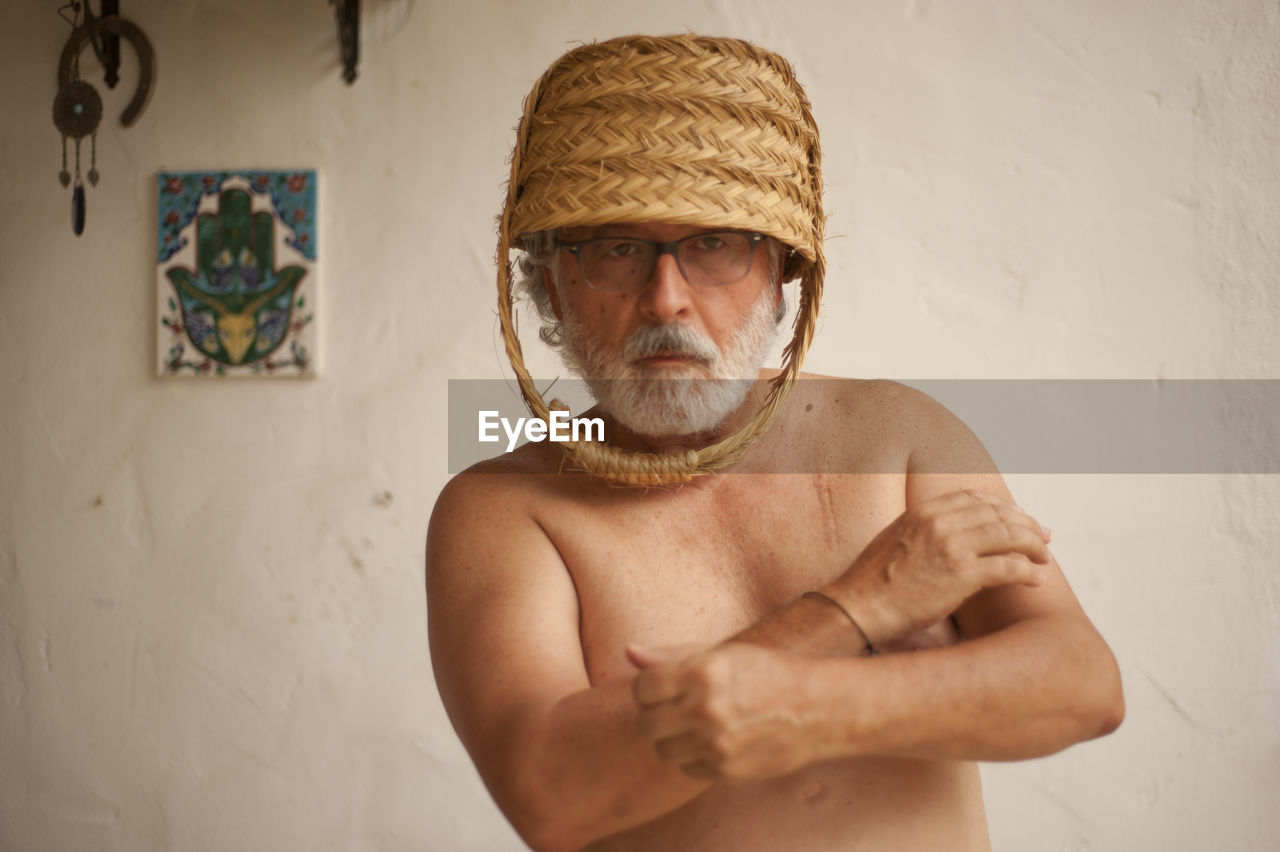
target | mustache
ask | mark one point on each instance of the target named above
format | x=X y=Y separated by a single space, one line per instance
x=671 y=339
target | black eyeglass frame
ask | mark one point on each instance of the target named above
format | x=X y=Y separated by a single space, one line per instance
x=659 y=249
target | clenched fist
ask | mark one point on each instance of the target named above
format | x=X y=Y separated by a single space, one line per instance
x=722 y=712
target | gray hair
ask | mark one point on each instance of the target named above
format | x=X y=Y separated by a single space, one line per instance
x=538 y=252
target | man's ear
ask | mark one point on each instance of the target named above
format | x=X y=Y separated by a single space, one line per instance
x=553 y=292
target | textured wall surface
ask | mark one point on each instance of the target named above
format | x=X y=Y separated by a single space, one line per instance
x=212 y=629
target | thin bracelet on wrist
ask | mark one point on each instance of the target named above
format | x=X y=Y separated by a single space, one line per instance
x=871 y=649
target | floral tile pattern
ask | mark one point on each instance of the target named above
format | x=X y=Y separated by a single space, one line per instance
x=236 y=273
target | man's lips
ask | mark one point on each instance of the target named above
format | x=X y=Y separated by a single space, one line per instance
x=674 y=359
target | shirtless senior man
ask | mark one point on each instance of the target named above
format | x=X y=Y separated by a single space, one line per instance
x=806 y=650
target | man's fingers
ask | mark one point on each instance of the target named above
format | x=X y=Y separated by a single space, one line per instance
x=661 y=678
x=1005 y=569
x=996 y=538
x=996 y=528
x=663 y=720
x=1008 y=513
x=642 y=656
x=653 y=686
x=645 y=656
x=954 y=501
x=702 y=770
x=689 y=751
x=972 y=504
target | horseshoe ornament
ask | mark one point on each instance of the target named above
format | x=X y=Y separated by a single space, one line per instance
x=80 y=36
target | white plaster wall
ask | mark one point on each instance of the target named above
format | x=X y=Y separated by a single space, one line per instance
x=212 y=630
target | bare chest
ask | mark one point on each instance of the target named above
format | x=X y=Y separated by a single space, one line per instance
x=698 y=564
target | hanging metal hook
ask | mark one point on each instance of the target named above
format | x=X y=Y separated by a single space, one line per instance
x=74 y=20
x=89 y=32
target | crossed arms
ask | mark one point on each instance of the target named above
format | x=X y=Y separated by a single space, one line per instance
x=569 y=762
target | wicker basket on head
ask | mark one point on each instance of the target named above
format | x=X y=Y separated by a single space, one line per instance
x=685 y=130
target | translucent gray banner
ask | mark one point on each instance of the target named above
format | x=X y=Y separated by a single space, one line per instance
x=1028 y=426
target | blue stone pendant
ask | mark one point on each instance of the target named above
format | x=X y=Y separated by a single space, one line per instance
x=77 y=210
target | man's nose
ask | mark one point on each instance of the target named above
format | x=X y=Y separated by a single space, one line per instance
x=666 y=297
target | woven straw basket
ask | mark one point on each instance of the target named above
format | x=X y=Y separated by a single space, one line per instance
x=686 y=130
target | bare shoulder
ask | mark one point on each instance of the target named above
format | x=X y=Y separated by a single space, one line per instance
x=506 y=486
x=859 y=396
x=879 y=425
x=494 y=500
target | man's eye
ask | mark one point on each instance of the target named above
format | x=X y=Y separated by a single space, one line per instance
x=621 y=249
x=710 y=242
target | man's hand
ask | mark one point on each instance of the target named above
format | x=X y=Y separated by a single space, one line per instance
x=720 y=712
x=936 y=555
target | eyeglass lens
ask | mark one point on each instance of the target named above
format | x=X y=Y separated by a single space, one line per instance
x=704 y=259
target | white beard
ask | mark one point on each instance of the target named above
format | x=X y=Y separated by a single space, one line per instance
x=672 y=401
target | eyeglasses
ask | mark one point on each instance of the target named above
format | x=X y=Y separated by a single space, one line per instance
x=625 y=264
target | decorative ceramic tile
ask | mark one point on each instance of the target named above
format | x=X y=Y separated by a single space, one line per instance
x=236 y=273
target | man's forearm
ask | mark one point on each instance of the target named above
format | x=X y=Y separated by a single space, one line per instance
x=807 y=626
x=1028 y=690
x=588 y=773
x=743 y=711
x=591 y=774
